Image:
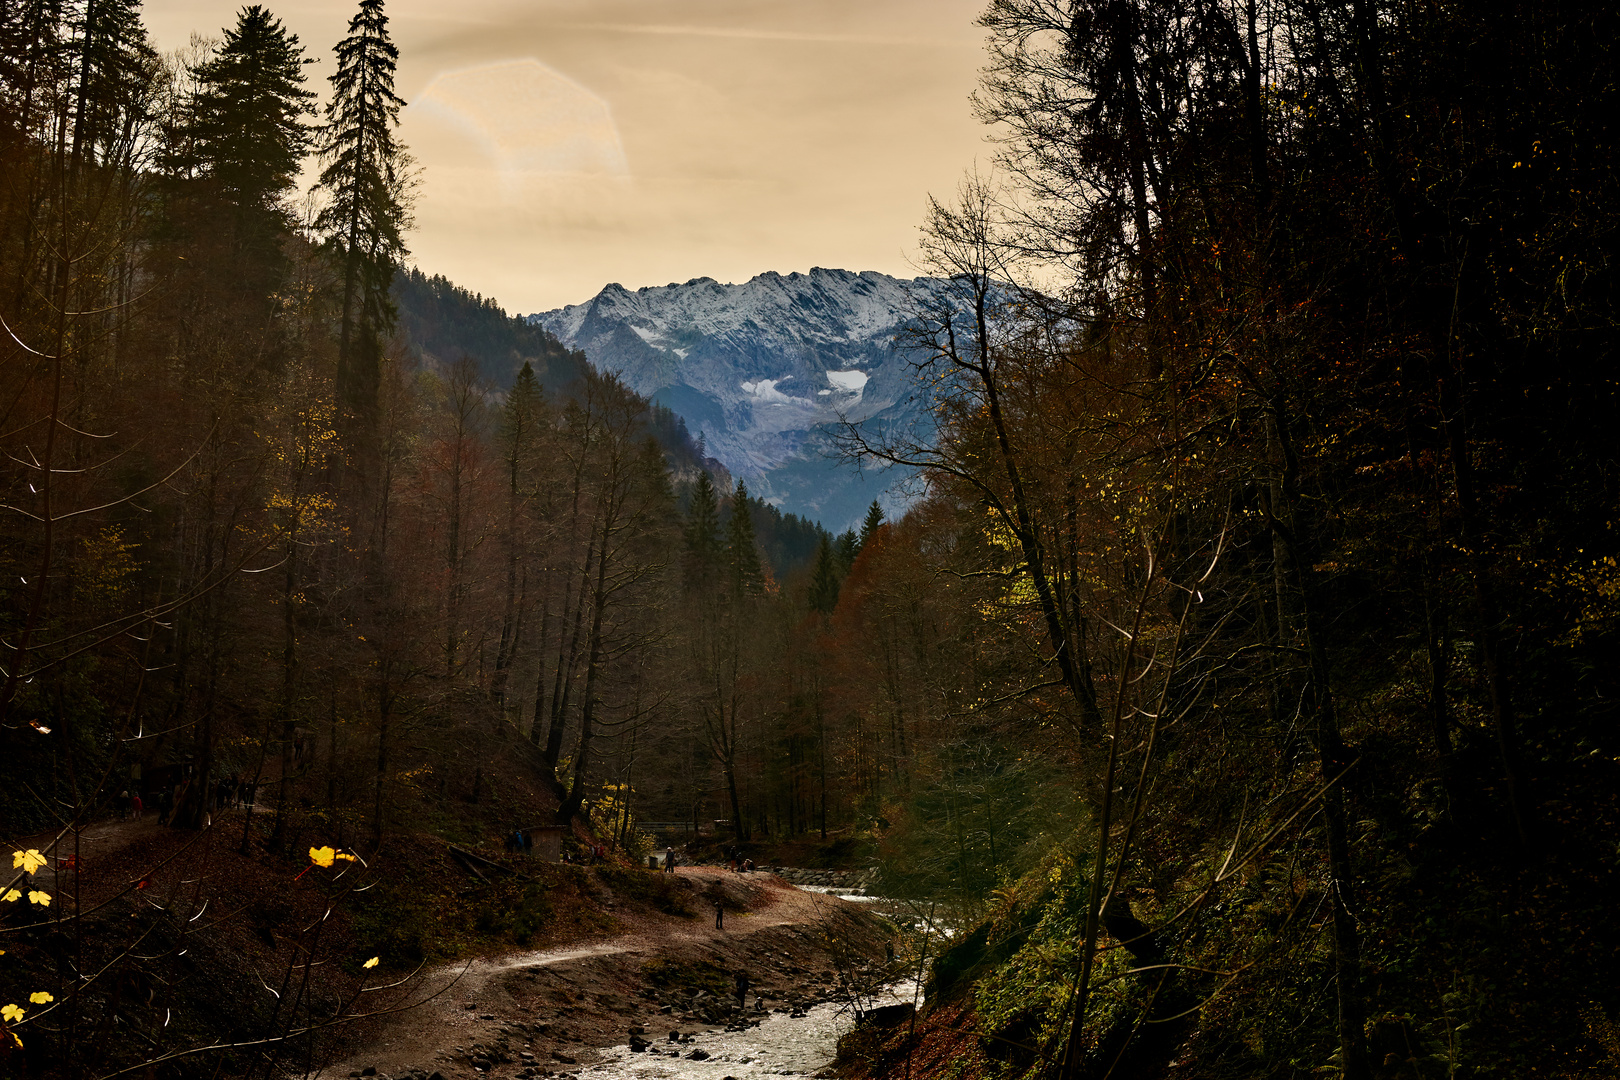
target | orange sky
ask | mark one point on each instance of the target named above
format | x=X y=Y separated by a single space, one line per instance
x=565 y=144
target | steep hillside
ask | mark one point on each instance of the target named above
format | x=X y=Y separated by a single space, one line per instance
x=440 y=321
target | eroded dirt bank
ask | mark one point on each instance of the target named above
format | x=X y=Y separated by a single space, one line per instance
x=534 y=1013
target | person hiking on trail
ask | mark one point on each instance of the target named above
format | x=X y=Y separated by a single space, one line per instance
x=669 y=860
x=742 y=987
x=135 y=806
x=719 y=914
x=122 y=803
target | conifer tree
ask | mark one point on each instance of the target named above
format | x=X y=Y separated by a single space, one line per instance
x=824 y=581
x=367 y=177
x=521 y=418
x=873 y=522
x=742 y=552
x=247 y=128
x=701 y=555
x=849 y=545
x=116 y=68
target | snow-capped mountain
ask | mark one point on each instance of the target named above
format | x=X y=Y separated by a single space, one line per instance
x=764 y=371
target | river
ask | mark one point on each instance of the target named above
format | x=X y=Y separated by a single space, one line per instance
x=779 y=1046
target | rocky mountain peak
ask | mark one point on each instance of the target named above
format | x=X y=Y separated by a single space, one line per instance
x=765 y=370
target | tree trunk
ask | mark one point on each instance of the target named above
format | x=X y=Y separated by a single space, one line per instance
x=587 y=712
x=1292 y=550
x=284 y=708
x=385 y=710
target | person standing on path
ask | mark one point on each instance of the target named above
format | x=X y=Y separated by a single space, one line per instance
x=669 y=860
x=742 y=988
x=136 y=807
x=719 y=914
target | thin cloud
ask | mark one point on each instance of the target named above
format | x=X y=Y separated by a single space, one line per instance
x=751 y=34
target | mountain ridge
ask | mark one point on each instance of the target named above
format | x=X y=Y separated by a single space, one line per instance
x=765 y=371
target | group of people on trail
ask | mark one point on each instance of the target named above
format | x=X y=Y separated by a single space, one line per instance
x=739 y=864
x=232 y=790
x=167 y=799
x=519 y=842
x=590 y=856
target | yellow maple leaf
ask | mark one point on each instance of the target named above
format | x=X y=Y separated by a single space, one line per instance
x=322 y=856
x=41 y=997
x=345 y=856
x=11 y=896
x=372 y=962
x=35 y=896
x=28 y=861
x=11 y=1012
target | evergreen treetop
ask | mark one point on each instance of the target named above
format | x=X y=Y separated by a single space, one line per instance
x=367 y=177
x=824 y=580
x=115 y=77
x=701 y=557
x=521 y=418
x=849 y=545
x=874 y=521
x=248 y=131
x=742 y=551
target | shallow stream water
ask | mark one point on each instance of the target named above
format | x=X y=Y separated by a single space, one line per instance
x=855 y=896
x=779 y=1046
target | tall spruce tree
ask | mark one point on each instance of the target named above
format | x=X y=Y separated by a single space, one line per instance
x=700 y=558
x=742 y=550
x=873 y=522
x=824 y=580
x=847 y=547
x=366 y=175
x=112 y=91
x=521 y=420
x=248 y=134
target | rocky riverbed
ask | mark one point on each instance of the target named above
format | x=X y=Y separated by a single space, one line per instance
x=839 y=882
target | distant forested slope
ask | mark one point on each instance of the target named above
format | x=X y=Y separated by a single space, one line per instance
x=440 y=320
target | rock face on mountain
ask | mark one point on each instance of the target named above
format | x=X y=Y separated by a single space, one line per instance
x=765 y=371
